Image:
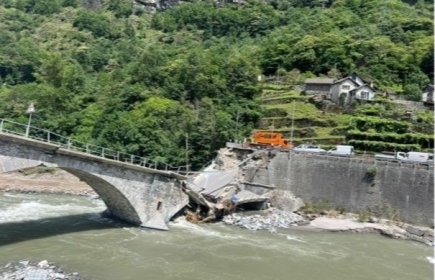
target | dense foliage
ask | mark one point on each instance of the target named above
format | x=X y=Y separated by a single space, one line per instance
x=147 y=84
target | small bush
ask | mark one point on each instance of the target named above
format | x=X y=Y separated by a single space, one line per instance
x=386 y=210
x=340 y=210
x=363 y=216
x=372 y=171
x=316 y=208
x=370 y=175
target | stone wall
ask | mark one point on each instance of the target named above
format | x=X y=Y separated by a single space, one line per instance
x=405 y=190
x=411 y=105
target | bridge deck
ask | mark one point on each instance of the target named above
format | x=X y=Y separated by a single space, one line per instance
x=54 y=148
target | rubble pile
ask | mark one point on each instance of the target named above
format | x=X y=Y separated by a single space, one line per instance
x=227 y=160
x=26 y=270
x=273 y=219
x=221 y=188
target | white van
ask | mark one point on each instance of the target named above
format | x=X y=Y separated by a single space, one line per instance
x=419 y=157
x=341 y=150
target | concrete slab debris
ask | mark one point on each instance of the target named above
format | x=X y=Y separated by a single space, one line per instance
x=245 y=196
x=212 y=182
x=197 y=197
x=223 y=189
x=258 y=185
x=37 y=275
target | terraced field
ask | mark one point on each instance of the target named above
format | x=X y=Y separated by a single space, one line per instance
x=324 y=123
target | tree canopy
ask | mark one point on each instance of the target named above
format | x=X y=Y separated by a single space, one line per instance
x=108 y=73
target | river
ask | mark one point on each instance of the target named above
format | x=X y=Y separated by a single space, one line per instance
x=69 y=231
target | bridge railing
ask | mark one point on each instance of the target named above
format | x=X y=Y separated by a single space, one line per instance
x=35 y=133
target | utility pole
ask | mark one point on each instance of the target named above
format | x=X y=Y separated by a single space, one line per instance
x=293 y=123
x=187 y=152
x=237 y=126
x=30 y=111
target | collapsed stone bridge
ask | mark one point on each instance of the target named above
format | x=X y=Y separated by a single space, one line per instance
x=139 y=195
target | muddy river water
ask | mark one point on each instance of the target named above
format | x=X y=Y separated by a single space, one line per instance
x=69 y=231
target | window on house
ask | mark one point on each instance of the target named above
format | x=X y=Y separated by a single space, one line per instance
x=345 y=87
x=364 y=95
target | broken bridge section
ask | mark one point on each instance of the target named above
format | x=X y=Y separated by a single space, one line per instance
x=135 y=194
x=220 y=188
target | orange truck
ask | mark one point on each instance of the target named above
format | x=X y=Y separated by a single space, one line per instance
x=269 y=139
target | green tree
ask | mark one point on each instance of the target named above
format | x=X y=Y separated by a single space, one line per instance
x=412 y=92
x=43 y=7
x=96 y=22
x=120 y=8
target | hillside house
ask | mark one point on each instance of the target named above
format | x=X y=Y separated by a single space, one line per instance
x=364 y=92
x=318 y=85
x=428 y=95
x=350 y=88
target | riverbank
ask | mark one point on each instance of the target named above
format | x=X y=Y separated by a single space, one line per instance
x=40 y=270
x=55 y=181
x=273 y=219
x=43 y=180
x=391 y=229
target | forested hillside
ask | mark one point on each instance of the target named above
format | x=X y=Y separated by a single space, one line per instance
x=137 y=82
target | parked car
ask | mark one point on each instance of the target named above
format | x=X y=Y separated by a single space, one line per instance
x=342 y=150
x=309 y=148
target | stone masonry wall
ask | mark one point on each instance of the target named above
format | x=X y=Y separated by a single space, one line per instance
x=134 y=194
x=405 y=189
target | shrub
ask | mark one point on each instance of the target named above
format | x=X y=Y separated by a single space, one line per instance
x=370 y=110
x=423 y=140
x=370 y=175
x=363 y=216
x=316 y=208
x=386 y=210
x=412 y=92
x=378 y=124
x=342 y=98
x=372 y=170
x=376 y=146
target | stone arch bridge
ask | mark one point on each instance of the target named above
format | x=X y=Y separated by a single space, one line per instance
x=139 y=195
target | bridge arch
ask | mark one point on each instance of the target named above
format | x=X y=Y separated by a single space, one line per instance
x=116 y=202
x=137 y=195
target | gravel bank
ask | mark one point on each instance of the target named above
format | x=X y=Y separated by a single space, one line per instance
x=43 y=180
x=273 y=219
x=43 y=270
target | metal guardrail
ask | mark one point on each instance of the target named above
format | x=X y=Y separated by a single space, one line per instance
x=68 y=143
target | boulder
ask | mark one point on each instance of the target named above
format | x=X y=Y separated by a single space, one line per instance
x=285 y=200
x=414 y=231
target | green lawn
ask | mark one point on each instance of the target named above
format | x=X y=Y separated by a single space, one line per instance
x=301 y=109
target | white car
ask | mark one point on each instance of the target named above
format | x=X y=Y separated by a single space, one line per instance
x=309 y=148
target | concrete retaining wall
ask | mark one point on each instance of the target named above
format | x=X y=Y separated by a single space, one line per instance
x=403 y=189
